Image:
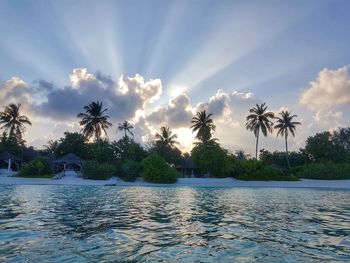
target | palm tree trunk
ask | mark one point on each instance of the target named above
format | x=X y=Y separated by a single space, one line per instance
x=257 y=143
x=287 y=151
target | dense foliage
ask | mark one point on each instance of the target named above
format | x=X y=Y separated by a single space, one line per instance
x=128 y=149
x=156 y=170
x=72 y=142
x=210 y=158
x=279 y=158
x=327 y=146
x=8 y=144
x=326 y=155
x=323 y=171
x=98 y=171
x=266 y=173
x=39 y=167
x=255 y=170
x=130 y=170
x=101 y=151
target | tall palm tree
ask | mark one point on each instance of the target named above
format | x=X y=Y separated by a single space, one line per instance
x=285 y=124
x=259 y=119
x=166 y=139
x=126 y=127
x=94 y=121
x=204 y=125
x=13 y=122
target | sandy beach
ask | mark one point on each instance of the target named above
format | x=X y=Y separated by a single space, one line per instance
x=182 y=182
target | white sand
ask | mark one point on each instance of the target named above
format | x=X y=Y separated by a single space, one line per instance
x=195 y=182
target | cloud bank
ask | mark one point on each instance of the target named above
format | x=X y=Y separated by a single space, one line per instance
x=324 y=104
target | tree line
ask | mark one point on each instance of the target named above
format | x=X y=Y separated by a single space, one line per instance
x=95 y=122
x=92 y=142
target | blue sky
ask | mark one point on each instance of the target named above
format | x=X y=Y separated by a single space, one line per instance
x=272 y=49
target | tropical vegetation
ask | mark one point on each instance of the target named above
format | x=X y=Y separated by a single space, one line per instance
x=285 y=126
x=94 y=121
x=98 y=171
x=39 y=167
x=13 y=122
x=258 y=120
x=126 y=127
x=203 y=124
x=157 y=170
x=326 y=155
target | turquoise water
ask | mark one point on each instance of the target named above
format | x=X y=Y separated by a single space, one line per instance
x=183 y=224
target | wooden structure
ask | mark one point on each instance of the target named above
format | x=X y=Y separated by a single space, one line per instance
x=69 y=162
x=189 y=169
x=10 y=162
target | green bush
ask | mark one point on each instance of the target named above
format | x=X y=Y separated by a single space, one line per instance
x=130 y=170
x=210 y=157
x=266 y=173
x=39 y=167
x=156 y=170
x=253 y=170
x=323 y=171
x=98 y=171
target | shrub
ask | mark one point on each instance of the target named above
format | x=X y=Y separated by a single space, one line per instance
x=210 y=158
x=98 y=171
x=323 y=171
x=156 y=170
x=39 y=167
x=267 y=173
x=130 y=170
x=250 y=170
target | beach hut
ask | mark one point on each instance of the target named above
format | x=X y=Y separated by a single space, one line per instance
x=69 y=163
x=9 y=163
x=189 y=169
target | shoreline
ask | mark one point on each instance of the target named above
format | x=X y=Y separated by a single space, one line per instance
x=182 y=182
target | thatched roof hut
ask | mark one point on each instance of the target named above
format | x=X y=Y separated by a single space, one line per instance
x=69 y=162
x=5 y=156
x=9 y=160
x=189 y=169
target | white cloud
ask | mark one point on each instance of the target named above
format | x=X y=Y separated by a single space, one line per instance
x=330 y=89
x=80 y=75
x=15 y=90
x=328 y=97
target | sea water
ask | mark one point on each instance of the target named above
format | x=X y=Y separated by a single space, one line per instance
x=173 y=224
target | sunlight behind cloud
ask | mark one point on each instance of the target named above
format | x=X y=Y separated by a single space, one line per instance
x=176 y=90
x=240 y=32
x=96 y=39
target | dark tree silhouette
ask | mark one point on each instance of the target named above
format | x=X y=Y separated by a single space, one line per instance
x=284 y=126
x=13 y=122
x=204 y=125
x=94 y=121
x=259 y=119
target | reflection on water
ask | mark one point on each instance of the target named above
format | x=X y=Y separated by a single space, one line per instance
x=90 y=224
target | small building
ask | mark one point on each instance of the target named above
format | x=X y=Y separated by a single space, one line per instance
x=189 y=169
x=9 y=162
x=69 y=162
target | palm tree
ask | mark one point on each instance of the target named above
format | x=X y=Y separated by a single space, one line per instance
x=259 y=119
x=126 y=127
x=241 y=155
x=14 y=122
x=166 y=139
x=51 y=146
x=285 y=124
x=204 y=124
x=94 y=121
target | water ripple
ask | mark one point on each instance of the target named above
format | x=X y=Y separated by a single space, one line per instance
x=161 y=224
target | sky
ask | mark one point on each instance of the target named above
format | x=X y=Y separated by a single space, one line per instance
x=158 y=62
